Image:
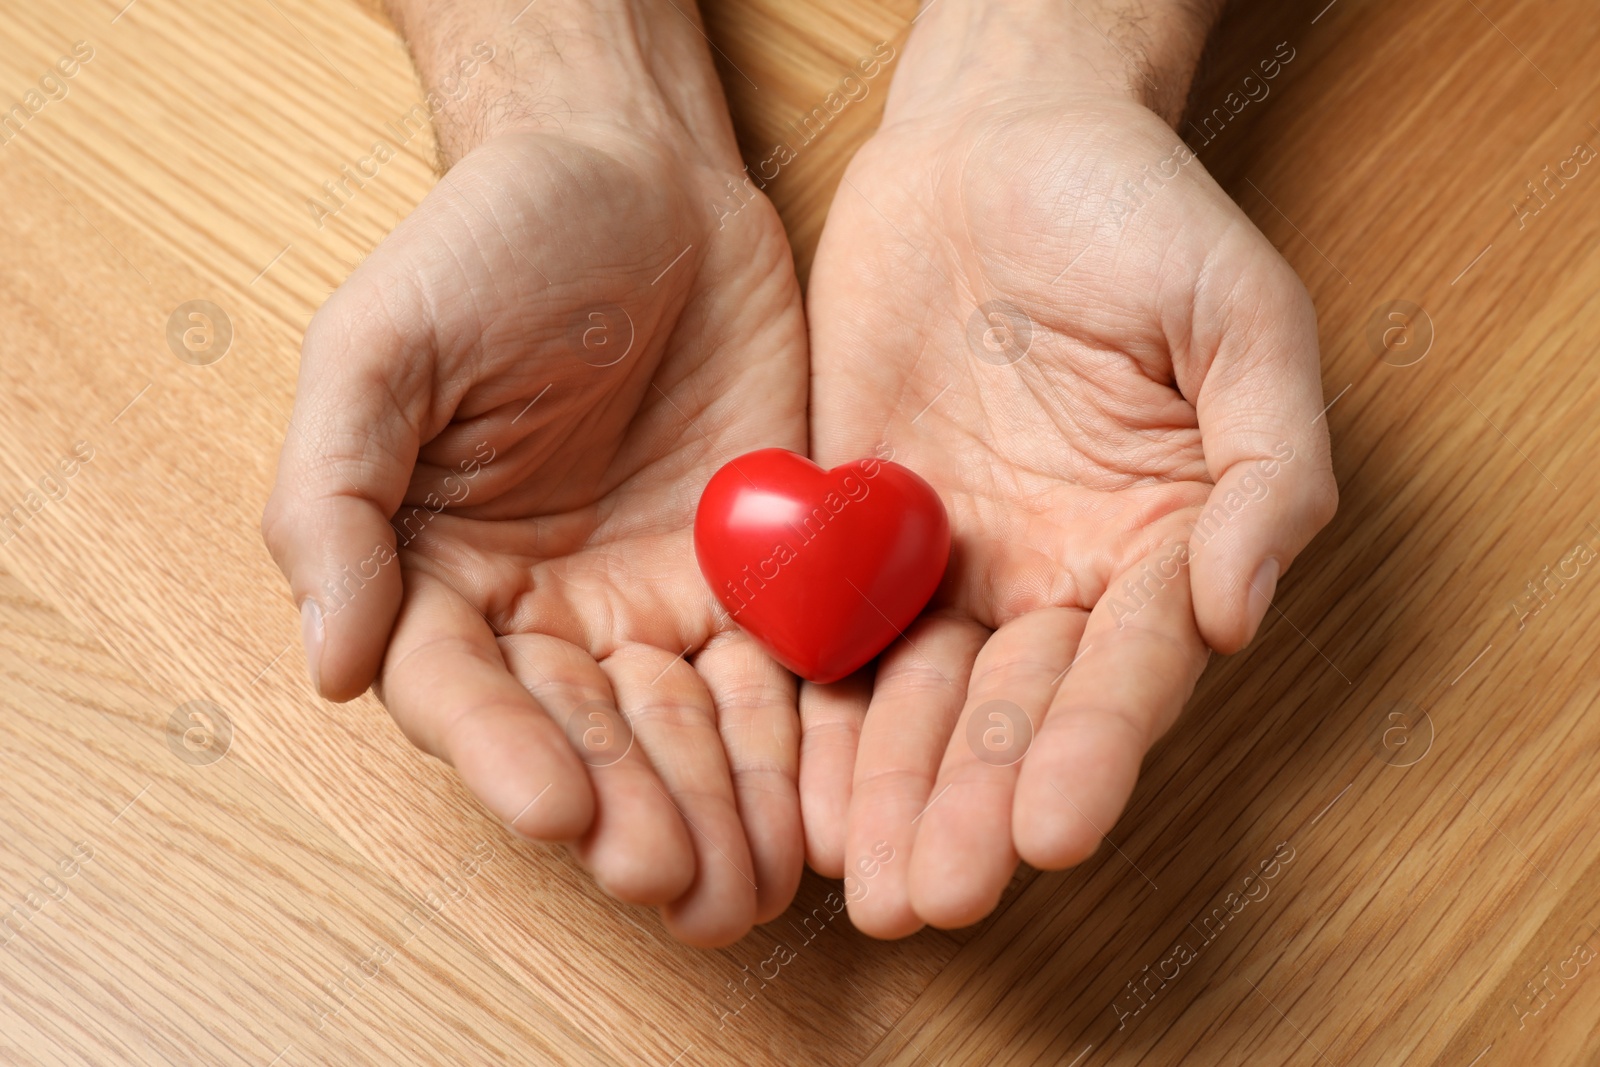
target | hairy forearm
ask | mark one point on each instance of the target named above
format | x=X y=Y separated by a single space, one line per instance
x=585 y=67
x=1146 y=49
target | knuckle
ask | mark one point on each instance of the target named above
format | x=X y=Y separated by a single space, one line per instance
x=665 y=715
x=761 y=777
x=910 y=674
x=1323 y=502
x=754 y=695
x=275 y=527
x=894 y=779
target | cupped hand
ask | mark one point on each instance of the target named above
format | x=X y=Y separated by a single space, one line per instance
x=502 y=424
x=1115 y=390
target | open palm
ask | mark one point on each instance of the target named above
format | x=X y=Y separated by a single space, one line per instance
x=1084 y=371
x=534 y=376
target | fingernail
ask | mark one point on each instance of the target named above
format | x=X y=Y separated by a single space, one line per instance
x=1262 y=586
x=311 y=633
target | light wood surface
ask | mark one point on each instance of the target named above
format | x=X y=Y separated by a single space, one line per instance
x=321 y=893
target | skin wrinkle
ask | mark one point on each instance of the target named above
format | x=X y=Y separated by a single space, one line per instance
x=523 y=614
x=403 y=290
x=1021 y=666
x=459 y=442
x=1137 y=455
x=687 y=448
x=753 y=693
x=1055 y=173
x=1006 y=579
x=1071 y=197
x=622 y=468
x=1066 y=588
x=446 y=742
x=690 y=375
x=332 y=450
x=1196 y=365
x=454 y=641
x=1180 y=334
x=1076 y=430
x=899 y=404
x=1075 y=463
x=1054 y=587
x=470 y=366
x=393 y=390
x=670 y=102
x=763 y=777
x=510 y=472
x=366 y=445
x=890 y=775
x=664 y=714
x=566 y=684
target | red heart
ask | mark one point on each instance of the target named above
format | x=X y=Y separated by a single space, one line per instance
x=824 y=568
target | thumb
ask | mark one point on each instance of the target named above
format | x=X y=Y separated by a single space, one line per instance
x=1266 y=446
x=347 y=458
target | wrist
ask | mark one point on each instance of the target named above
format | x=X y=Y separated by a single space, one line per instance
x=598 y=70
x=973 y=51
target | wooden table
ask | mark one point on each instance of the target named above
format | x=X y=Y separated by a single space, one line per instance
x=202 y=863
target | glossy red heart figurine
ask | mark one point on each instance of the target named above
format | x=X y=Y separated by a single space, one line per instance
x=823 y=567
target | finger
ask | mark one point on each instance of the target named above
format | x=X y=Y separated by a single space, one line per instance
x=1266 y=445
x=637 y=847
x=672 y=717
x=756 y=716
x=963 y=856
x=830 y=722
x=921 y=685
x=346 y=459
x=446 y=683
x=1135 y=667
x=475 y=461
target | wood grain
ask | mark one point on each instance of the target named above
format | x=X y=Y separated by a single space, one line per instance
x=184 y=908
x=1430 y=902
